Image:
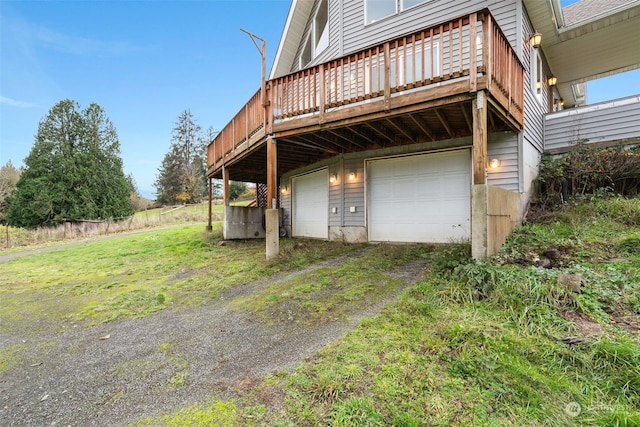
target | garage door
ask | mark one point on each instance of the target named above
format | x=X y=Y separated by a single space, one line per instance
x=421 y=198
x=311 y=205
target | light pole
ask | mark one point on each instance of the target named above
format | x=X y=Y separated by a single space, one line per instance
x=263 y=53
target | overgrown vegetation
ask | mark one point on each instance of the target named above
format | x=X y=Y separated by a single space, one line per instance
x=588 y=170
x=493 y=342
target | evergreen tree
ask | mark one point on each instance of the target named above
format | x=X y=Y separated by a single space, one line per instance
x=9 y=177
x=182 y=176
x=73 y=171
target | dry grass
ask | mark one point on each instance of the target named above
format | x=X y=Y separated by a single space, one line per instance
x=12 y=237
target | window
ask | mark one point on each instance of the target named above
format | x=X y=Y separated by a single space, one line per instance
x=321 y=27
x=374 y=10
x=406 y=4
x=537 y=76
x=318 y=40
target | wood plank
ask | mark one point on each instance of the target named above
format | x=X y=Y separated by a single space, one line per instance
x=479 y=114
x=225 y=185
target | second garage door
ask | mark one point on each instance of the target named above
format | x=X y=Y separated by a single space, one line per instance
x=420 y=198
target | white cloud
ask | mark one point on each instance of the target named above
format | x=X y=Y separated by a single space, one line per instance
x=16 y=103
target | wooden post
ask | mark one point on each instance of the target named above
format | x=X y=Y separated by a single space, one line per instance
x=479 y=112
x=487 y=48
x=225 y=185
x=387 y=75
x=473 y=66
x=210 y=225
x=272 y=173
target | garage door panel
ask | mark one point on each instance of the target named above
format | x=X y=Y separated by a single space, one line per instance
x=311 y=205
x=428 y=200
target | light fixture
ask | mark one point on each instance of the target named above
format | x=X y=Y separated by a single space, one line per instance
x=536 y=40
x=561 y=102
x=284 y=190
x=352 y=175
x=553 y=80
x=333 y=177
x=494 y=163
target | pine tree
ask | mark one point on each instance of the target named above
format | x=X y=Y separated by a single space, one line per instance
x=182 y=176
x=9 y=177
x=73 y=171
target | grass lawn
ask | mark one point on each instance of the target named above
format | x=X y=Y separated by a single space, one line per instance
x=140 y=274
x=492 y=342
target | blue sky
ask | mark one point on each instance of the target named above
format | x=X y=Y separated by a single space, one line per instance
x=145 y=62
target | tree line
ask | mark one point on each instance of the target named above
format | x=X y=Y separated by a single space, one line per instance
x=74 y=170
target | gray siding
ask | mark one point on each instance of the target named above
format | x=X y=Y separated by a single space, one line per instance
x=353 y=193
x=357 y=35
x=335 y=194
x=334 y=49
x=504 y=147
x=534 y=108
x=597 y=123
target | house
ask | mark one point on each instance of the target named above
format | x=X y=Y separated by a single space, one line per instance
x=414 y=120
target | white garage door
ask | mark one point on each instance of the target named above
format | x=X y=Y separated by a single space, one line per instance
x=421 y=198
x=311 y=205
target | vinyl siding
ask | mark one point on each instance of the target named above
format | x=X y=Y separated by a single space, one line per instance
x=355 y=35
x=504 y=147
x=534 y=108
x=596 y=123
x=335 y=195
x=334 y=48
x=354 y=193
x=358 y=35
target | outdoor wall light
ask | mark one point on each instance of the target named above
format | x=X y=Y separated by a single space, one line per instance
x=333 y=177
x=494 y=163
x=553 y=80
x=352 y=175
x=284 y=190
x=536 y=40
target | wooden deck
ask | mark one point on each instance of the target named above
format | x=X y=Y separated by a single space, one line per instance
x=415 y=88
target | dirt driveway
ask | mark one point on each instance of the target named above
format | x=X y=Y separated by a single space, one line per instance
x=116 y=373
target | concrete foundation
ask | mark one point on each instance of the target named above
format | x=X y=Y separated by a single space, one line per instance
x=272 y=219
x=348 y=234
x=243 y=223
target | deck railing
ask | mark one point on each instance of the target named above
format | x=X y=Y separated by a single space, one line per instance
x=468 y=47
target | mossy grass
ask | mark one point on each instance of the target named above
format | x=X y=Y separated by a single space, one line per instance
x=480 y=342
x=137 y=275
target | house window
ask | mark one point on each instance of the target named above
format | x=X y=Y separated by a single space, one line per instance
x=318 y=40
x=374 y=10
x=537 y=76
x=321 y=27
x=305 y=58
x=406 y=4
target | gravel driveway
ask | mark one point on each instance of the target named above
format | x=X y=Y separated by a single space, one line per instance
x=116 y=373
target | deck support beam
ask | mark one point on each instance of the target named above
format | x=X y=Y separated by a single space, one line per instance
x=209 y=223
x=272 y=213
x=479 y=206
